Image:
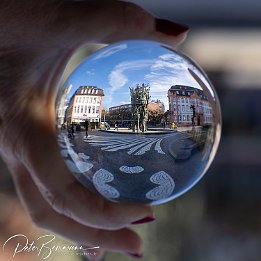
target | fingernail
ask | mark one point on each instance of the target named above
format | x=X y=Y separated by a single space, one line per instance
x=143 y=220
x=135 y=255
x=170 y=28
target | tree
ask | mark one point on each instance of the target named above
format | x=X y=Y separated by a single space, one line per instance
x=156 y=112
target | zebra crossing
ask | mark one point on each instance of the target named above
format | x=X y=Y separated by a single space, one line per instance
x=160 y=185
x=136 y=147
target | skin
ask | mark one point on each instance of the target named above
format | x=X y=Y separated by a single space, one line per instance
x=36 y=41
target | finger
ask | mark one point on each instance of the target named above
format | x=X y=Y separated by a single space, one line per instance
x=41 y=156
x=112 y=21
x=123 y=240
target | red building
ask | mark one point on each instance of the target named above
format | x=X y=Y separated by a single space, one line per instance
x=189 y=106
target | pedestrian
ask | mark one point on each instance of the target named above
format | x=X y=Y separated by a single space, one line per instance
x=86 y=125
x=72 y=130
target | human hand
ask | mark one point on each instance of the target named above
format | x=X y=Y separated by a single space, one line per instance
x=36 y=41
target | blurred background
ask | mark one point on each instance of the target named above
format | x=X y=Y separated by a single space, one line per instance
x=220 y=218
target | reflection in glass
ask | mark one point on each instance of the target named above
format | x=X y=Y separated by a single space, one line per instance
x=138 y=122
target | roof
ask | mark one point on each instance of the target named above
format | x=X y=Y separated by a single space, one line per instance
x=89 y=90
x=183 y=90
x=120 y=107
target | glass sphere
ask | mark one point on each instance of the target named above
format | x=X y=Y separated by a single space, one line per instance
x=138 y=122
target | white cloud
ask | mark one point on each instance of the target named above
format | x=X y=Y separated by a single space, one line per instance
x=124 y=102
x=118 y=76
x=168 y=70
x=90 y=72
x=110 y=51
x=117 y=79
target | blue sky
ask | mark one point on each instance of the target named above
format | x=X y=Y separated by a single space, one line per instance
x=119 y=66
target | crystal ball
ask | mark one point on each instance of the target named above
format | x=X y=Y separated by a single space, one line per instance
x=138 y=122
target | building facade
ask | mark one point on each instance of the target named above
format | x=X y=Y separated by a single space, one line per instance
x=62 y=106
x=86 y=103
x=121 y=115
x=189 y=106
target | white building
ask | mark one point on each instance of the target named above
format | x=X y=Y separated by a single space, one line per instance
x=86 y=103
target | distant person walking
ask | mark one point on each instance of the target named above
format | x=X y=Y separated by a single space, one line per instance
x=72 y=131
x=86 y=125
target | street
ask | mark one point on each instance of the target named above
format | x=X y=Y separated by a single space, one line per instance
x=132 y=167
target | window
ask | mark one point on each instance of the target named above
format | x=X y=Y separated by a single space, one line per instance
x=97 y=110
x=178 y=107
x=81 y=109
x=76 y=100
x=96 y=92
x=93 y=109
x=188 y=119
x=85 y=91
x=89 y=109
x=83 y=99
x=75 y=109
x=184 y=117
x=183 y=107
x=87 y=99
x=182 y=100
x=98 y=101
x=85 y=109
x=90 y=99
x=94 y=100
x=82 y=91
x=80 y=99
x=78 y=109
x=187 y=108
x=179 y=117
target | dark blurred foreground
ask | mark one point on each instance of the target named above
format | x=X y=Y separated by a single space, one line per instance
x=220 y=218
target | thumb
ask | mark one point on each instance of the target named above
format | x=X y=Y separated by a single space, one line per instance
x=109 y=21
